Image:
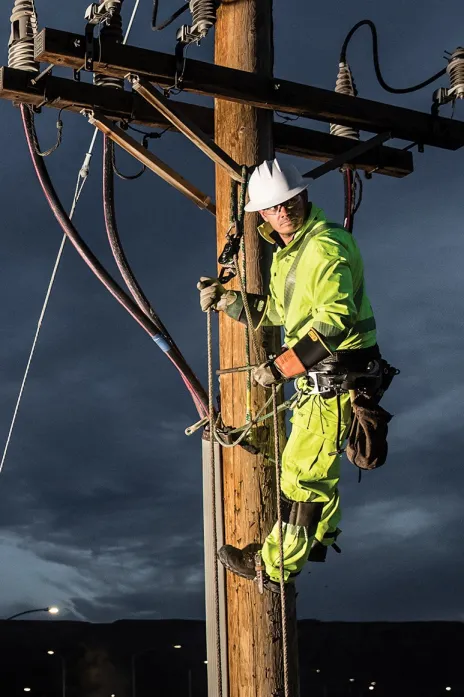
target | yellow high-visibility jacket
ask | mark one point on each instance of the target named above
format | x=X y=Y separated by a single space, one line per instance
x=317 y=282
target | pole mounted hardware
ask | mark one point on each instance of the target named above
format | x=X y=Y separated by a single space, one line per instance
x=203 y=19
x=174 y=114
x=255 y=90
x=455 y=70
x=94 y=15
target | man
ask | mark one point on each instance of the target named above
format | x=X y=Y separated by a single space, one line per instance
x=317 y=295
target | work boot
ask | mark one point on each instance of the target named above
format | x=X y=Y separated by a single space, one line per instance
x=240 y=561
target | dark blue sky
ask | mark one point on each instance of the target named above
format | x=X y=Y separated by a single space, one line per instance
x=100 y=499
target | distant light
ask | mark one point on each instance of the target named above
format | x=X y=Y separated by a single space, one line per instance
x=205 y=662
x=373 y=682
x=51 y=653
x=27 y=689
x=351 y=679
x=448 y=689
x=113 y=695
x=371 y=687
x=177 y=646
x=318 y=670
x=53 y=610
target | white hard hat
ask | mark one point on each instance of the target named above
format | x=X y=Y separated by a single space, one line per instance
x=271 y=184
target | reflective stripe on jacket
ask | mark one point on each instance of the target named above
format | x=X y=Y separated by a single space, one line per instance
x=317 y=281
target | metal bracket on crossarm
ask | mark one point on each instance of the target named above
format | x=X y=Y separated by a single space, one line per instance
x=95 y=14
x=345 y=158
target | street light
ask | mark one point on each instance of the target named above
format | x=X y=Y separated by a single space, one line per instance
x=63 y=671
x=53 y=610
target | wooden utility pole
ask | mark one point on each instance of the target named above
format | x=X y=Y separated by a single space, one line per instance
x=244 y=40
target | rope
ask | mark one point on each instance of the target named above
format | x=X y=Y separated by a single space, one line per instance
x=77 y=194
x=213 y=500
x=237 y=217
x=283 y=603
x=131 y=21
x=246 y=429
x=81 y=180
x=248 y=415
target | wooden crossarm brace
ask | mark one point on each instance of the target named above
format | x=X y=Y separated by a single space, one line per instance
x=173 y=113
x=150 y=161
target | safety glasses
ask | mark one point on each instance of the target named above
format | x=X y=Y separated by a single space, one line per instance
x=292 y=203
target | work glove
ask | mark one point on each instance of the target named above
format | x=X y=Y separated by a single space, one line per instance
x=266 y=374
x=213 y=295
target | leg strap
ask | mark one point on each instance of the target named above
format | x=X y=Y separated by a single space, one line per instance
x=304 y=514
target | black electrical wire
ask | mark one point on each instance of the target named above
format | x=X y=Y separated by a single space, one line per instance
x=358 y=183
x=126 y=177
x=95 y=265
x=124 y=266
x=169 y=20
x=349 y=209
x=375 y=45
x=115 y=240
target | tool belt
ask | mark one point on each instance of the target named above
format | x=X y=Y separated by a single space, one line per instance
x=360 y=370
x=367 y=376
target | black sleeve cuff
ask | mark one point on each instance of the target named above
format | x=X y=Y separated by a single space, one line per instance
x=311 y=349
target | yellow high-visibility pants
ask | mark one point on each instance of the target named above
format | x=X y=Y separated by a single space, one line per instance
x=310 y=473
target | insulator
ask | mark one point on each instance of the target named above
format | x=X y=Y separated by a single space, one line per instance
x=203 y=16
x=345 y=85
x=21 y=43
x=111 y=32
x=455 y=71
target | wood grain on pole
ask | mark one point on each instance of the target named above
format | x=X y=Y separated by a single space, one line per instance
x=244 y=41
